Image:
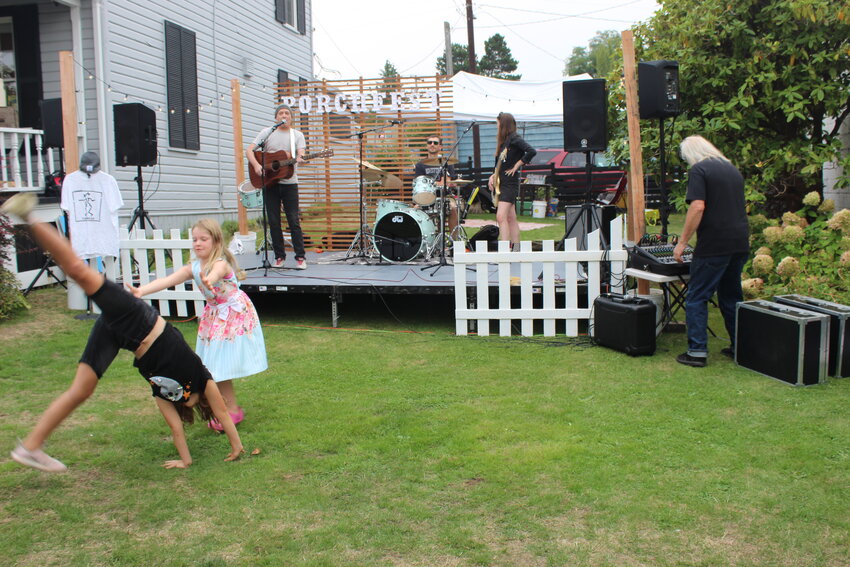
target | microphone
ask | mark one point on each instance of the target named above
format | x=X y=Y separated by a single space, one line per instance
x=471 y=124
x=281 y=123
x=396 y=121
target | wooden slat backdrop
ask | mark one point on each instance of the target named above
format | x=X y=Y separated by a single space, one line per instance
x=329 y=187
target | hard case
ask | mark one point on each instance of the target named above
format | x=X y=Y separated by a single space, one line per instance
x=782 y=342
x=839 y=338
x=625 y=323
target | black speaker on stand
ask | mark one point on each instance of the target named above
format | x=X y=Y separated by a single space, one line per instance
x=585 y=130
x=135 y=144
x=658 y=97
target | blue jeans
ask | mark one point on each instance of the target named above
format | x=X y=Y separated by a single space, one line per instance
x=709 y=274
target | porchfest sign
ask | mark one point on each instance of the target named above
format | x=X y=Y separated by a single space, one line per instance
x=373 y=100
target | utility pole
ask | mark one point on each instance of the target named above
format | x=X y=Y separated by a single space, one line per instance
x=450 y=68
x=476 y=143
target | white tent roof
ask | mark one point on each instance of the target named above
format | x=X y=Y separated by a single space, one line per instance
x=483 y=98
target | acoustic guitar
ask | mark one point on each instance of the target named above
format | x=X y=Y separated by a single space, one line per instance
x=278 y=165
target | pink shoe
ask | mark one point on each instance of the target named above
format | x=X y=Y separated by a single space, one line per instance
x=215 y=425
x=37 y=459
x=238 y=417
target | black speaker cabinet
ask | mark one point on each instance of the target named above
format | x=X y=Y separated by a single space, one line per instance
x=658 y=89
x=623 y=323
x=51 y=122
x=782 y=342
x=839 y=338
x=135 y=134
x=585 y=116
x=584 y=219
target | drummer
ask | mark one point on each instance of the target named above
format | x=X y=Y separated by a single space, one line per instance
x=430 y=166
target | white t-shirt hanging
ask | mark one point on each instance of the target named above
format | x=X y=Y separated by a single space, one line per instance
x=92 y=205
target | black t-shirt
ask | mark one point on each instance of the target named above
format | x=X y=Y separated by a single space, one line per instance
x=171 y=356
x=723 y=228
x=432 y=170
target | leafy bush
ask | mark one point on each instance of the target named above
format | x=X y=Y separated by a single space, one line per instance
x=11 y=298
x=806 y=252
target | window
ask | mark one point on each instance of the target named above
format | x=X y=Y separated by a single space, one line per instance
x=181 y=69
x=293 y=13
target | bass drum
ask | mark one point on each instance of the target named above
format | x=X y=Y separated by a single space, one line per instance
x=402 y=233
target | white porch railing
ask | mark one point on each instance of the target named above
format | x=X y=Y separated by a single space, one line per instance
x=563 y=264
x=136 y=251
x=22 y=166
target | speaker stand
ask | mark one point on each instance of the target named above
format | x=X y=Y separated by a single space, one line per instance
x=139 y=214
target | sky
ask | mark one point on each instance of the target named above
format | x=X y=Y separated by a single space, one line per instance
x=353 y=40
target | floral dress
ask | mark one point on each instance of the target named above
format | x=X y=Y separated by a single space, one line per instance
x=230 y=338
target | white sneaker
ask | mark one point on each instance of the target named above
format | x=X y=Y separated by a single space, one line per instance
x=20 y=205
x=37 y=459
x=301 y=264
x=278 y=263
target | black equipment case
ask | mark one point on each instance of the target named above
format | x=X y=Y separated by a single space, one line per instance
x=625 y=323
x=839 y=338
x=782 y=342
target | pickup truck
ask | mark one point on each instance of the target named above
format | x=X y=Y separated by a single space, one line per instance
x=565 y=173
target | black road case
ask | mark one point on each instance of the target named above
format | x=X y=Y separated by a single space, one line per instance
x=625 y=323
x=839 y=338
x=782 y=342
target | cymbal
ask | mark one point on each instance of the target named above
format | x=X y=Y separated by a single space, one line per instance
x=372 y=172
x=461 y=181
x=438 y=161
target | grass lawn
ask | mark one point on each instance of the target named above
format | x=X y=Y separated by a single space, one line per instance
x=390 y=441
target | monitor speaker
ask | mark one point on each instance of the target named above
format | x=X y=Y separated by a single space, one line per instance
x=135 y=134
x=51 y=121
x=658 y=89
x=585 y=116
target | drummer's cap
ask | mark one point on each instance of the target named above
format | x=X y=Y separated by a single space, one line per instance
x=286 y=106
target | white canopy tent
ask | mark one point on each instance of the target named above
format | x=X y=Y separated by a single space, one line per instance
x=483 y=98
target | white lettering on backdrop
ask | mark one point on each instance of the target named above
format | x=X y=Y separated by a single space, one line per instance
x=365 y=101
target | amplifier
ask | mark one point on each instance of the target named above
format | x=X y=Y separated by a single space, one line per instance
x=623 y=323
x=782 y=342
x=658 y=259
x=839 y=338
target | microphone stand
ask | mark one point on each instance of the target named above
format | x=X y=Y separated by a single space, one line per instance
x=265 y=264
x=363 y=233
x=442 y=174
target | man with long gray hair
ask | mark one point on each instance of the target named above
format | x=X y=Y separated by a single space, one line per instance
x=717 y=213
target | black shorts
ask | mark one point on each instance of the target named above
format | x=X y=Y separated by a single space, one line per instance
x=172 y=357
x=123 y=323
x=508 y=188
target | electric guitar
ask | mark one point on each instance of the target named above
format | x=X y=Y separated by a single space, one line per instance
x=278 y=165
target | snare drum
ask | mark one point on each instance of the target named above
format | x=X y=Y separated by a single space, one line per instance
x=424 y=190
x=251 y=197
x=401 y=232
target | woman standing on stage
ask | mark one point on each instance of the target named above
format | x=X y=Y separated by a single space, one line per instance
x=512 y=152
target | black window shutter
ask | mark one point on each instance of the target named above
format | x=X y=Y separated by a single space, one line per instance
x=182 y=87
x=280 y=11
x=174 y=86
x=191 y=119
x=302 y=16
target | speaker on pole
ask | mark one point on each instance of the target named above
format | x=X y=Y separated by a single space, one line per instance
x=585 y=116
x=135 y=134
x=658 y=89
x=51 y=122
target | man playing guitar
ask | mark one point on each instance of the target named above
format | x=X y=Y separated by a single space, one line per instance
x=284 y=191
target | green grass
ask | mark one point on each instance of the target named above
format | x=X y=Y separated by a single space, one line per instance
x=390 y=441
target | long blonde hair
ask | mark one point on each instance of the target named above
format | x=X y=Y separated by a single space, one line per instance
x=696 y=148
x=507 y=126
x=219 y=250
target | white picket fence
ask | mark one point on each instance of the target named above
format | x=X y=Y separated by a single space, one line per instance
x=560 y=280
x=136 y=268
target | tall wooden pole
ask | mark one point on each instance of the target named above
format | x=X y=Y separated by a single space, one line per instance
x=68 y=91
x=636 y=219
x=238 y=151
x=470 y=38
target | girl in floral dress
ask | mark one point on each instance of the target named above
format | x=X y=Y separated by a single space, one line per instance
x=230 y=338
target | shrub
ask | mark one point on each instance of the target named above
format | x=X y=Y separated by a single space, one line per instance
x=11 y=298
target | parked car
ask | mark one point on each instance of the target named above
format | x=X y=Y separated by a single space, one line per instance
x=566 y=173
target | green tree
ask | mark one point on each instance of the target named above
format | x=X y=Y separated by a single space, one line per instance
x=389 y=70
x=757 y=78
x=599 y=58
x=497 y=60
